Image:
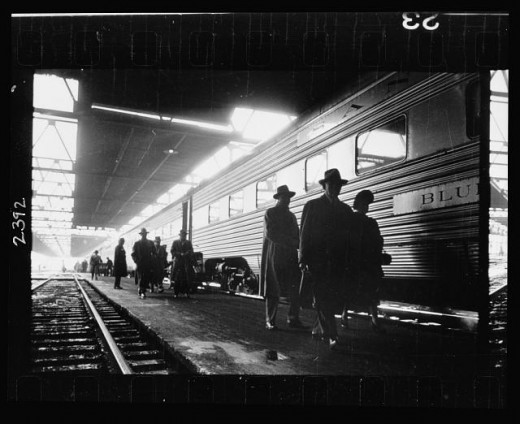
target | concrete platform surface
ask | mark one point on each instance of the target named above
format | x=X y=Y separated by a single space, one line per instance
x=222 y=334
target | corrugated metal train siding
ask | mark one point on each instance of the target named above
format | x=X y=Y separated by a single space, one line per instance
x=418 y=242
x=285 y=152
x=408 y=238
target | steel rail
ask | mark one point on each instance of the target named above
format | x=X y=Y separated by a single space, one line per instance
x=38 y=285
x=118 y=356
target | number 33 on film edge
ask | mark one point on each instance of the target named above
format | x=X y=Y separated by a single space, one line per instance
x=410 y=21
x=19 y=223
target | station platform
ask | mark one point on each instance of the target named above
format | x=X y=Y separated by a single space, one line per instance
x=214 y=333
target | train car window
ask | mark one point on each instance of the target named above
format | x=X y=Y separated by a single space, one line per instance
x=293 y=176
x=214 y=212
x=473 y=109
x=200 y=217
x=381 y=146
x=315 y=167
x=236 y=203
x=265 y=190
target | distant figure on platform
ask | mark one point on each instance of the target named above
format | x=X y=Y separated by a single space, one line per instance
x=142 y=256
x=280 y=259
x=120 y=269
x=84 y=265
x=110 y=264
x=160 y=263
x=323 y=243
x=182 y=267
x=364 y=261
x=95 y=260
x=77 y=267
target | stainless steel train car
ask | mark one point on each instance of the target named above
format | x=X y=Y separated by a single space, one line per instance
x=410 y=137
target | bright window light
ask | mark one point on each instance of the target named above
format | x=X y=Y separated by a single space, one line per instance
x=53 y=118
x=240 y=118
x=498 y=124
x=54 y=189
x=151 y=210
x=264 y=125
x=177 y=191
x=206 y=125
x=498 y=82
x=136 y=220
x=57 y=141
x=54 y=93
x=64 y=165
x=54 y=177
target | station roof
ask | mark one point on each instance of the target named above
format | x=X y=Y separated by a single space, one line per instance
x=122 y=162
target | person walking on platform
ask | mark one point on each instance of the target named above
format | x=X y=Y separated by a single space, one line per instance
x=160 y=263
x=84 y=265
x=182 y=267
x=110 y=265
x=323 y=241
x=279 y=265
x=142 y=255
x=120 y=268
x=95 y=260
x=364 y=261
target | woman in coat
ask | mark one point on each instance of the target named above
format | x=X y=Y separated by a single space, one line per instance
x=120 y=269
x=364 y=261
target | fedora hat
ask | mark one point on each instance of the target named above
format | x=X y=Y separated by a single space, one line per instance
x=143 y=231
x=183 y=231
x=157 y=238
x=333 y=175
x=283 y=189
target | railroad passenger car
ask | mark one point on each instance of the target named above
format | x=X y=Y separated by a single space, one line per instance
x=410 y=137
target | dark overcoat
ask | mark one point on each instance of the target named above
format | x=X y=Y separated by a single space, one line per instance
x=323 y=245
x=364 y=262
x=279 y=265
x=142 y=256
x=160 y=262
x=120 y=268
x=182 y=257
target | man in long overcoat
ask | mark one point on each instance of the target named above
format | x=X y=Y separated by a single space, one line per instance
x=160 y=263
x=142 y=256
x=323 y=243
x=279 y=266
x=95 y=260
x=182 y=267
x=120 y=268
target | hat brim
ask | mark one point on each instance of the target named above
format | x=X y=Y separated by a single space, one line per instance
x=289 y=193
x=341 y=181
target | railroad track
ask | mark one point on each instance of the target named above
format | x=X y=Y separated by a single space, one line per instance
x=75 y=330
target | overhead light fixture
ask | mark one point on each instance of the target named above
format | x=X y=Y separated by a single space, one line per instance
x=125 y=111
x=171 y=152
x=207 y=125
x=200 y=124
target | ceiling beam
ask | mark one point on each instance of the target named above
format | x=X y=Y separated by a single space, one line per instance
x=140 y=187
x=101 y=175
x=120 y=155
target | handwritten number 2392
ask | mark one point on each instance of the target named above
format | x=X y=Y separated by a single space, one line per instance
x=410 y=23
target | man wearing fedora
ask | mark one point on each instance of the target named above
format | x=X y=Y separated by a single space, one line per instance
x=160 y=262
x=142 y=255
x=182 y=267
x=323 y=243
x=279 y=266
x=95 y=260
